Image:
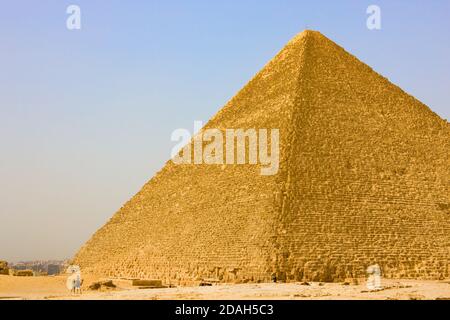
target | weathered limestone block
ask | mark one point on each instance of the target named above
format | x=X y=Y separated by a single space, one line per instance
x=4 y=270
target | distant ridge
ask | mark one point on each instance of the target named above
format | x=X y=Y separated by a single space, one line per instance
x=364 y=178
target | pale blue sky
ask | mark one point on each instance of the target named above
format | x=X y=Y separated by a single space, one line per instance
x=86 y=116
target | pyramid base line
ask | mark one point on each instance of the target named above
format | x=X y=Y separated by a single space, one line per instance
x=310 y=271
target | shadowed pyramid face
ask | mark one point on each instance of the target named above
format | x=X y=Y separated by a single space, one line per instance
x=363 y=179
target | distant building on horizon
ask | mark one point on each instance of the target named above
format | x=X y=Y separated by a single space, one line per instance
x=53 y=269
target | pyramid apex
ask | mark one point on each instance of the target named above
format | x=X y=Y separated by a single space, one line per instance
x=308 y=33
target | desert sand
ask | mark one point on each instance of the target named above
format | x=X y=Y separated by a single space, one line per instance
x=54 y=288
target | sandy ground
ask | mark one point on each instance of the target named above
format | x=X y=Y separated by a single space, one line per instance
x=54 y=288
x=31 y=287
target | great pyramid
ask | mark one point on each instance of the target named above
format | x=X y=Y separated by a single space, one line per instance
x=364 y=178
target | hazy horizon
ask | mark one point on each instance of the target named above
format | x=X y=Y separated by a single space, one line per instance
x=86 y=115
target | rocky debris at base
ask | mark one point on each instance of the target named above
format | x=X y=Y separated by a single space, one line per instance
x=102 y=285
